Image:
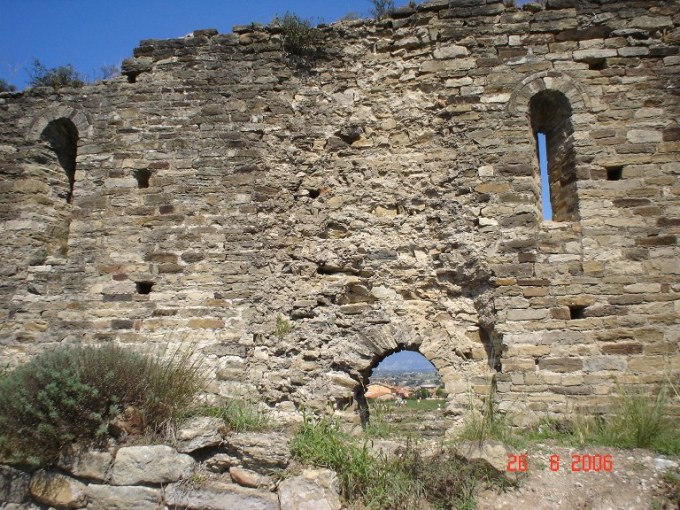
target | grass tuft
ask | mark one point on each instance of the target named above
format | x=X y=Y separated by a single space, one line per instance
x=239 y=415
x=406 y=481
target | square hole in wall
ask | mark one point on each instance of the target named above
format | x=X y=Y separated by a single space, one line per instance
x=597 y=64
x=144 y=287
x=577 y=312
x=142 y=175
x=614 y=173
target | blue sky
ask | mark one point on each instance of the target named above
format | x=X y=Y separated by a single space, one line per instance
x=406 y=360
x=93 y=33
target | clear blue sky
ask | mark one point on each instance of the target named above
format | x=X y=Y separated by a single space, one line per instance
x=93 y=33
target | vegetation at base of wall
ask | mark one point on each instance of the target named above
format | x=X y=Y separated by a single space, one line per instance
x=71 y=394
x=299 y=36
x=5 y=86
x=382 y=8
x=640 y=420
x=55 y=77
x=239 y=415
x=486 y=423
x=403 y=481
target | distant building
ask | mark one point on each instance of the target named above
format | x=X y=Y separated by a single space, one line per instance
x=386 y=392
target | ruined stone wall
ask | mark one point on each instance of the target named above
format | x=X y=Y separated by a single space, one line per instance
x=379 y=195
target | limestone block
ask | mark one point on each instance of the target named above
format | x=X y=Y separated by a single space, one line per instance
x=219 y=495
x=199 y=432
x=644 y=136
x=57 y=490
x=248 y=478
x=149 y=464
x=526 y=314
x=84 y=463
x=105 y=497
x=561 y=364
x=312 y=490
x=450 y=51
x=259 y=450
x=13 y=485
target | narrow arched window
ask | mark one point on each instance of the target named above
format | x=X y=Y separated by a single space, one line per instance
x=62 y=137
x=550 y=114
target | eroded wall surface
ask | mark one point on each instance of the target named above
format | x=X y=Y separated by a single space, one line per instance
x=381 y=194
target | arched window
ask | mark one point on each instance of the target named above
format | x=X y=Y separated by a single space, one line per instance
x=403 y=394
x=550 y=114
x=62 y=137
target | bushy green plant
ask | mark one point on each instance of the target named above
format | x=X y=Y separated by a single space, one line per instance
x=381 y=8
x=55 y=77
x=299 y=36
x=70 y=394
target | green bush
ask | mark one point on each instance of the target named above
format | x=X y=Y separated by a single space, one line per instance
x=70 y=394
x=55 y=77
x=299 y=36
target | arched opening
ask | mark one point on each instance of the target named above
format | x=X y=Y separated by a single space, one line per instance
x=402 y=394
x=62 y=137
x=550 y=115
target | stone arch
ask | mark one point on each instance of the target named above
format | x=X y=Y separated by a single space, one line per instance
x=80 y=120
x=459 y=373
x=58 y=132
x=547 y=80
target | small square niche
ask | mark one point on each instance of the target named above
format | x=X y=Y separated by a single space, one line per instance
x=144 y=287
x=614 y=173
x=577 y=312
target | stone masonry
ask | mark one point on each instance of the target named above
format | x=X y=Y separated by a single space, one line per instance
x=298 y=218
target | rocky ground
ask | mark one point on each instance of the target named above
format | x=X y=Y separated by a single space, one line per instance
x=208 y=467
x=636 y=481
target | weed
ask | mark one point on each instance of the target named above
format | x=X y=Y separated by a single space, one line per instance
x=641 y=420
x=6 y=86
x=55 y=77
x=379 y=426
x=670 y=484
x=408 y=480
x=382 y=8
x=239 y=415
x=283 y=326
x=487 y=424
x=70 y=394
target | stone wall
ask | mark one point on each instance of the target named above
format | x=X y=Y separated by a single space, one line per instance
x=381 y=194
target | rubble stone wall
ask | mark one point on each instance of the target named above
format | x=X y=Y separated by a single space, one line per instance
x=298 y=218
